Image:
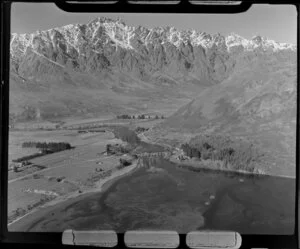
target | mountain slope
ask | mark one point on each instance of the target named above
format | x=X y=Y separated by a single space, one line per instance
x=257 y=101
x=106 y=66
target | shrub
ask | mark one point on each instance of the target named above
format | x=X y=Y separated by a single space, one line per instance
x=20 y=211
x=117 y=149
x=124 y=116
x=15 y=168
x=191 y=151
x=141 y=129
x=125 y=162
x=36 y=176
x=59 y=179
x=108 y=148
x=207 y=146
x=134 y=156
x=206 y=155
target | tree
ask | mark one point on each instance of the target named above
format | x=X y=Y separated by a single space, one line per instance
x=108 y=148
x=124 y=162
x=194 y=152
x=156 y=117
x=207 y=146
x=15 y=168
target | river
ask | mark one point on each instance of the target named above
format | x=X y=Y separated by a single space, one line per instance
x=178 y=199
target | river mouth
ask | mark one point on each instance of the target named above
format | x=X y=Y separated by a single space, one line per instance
x=178 y=199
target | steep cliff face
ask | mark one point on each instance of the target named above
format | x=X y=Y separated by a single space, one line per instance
x=114 y=59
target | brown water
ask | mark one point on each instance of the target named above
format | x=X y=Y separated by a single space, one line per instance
x=178 y=199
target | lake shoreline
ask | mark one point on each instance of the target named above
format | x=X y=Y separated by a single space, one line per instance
x=197 y=165
x=101 y=186
x=90 y=210
x=192 y=165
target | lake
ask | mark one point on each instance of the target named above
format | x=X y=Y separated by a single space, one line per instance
x=174 y=198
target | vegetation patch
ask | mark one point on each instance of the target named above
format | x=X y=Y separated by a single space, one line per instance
x=60 y=179
x=229 y=153
x=151 y=161
x=91 y=131
x=96 y=177
x=136 y=145
x=37 y=176
x=22 y=211
x=118 y=149
x=29 y=157
x=45 y=148
x=127 y=135
x=124 y=163
x=139 y=130
x=141 y=116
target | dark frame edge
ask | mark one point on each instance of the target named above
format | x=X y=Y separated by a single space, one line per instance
x=297 y=225
x=51 y=238
x=183 y=6
x=4 y=113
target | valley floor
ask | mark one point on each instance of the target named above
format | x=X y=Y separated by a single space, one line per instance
x=63 y=175
x=57 y=177
x=54 y=178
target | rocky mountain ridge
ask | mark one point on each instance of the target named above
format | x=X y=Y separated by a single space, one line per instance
x=117 y=66
x=105 y=43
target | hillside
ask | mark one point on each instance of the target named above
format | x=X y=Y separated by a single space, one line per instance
x=257 y=101
x=108 y=67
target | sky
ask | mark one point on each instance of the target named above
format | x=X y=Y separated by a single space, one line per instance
x=276 y=22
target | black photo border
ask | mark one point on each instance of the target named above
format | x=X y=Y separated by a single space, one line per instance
x=36 y=240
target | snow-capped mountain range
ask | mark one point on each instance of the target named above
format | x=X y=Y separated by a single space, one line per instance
x=78 y=45
x=200 y=82
x=115 y=59
x=75 y=35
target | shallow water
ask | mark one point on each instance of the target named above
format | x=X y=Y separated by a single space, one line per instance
x=179 y=199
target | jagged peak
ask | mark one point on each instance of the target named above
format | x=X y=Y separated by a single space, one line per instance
x=235 y=37
x=121 y=33
x=258 y=39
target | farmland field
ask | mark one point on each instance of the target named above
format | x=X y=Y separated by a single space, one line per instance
x=58 y=174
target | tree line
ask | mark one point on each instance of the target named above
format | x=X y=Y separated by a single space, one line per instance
x=50 y=146
x=142 y=116
x=238 y=156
